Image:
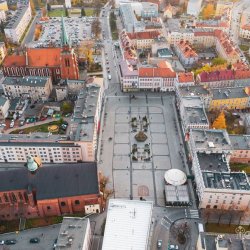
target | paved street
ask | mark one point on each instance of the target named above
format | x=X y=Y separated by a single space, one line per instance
x=47 y=236
x=30 y=33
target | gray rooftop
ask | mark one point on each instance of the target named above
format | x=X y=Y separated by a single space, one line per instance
x=17 y=18
x=213 y=162
x=230 y=241
x=61 y=180
x=240 y=142
x=233 y=181
x=194 y=111
x=32 y=81
x=3 y=100
x=128 y=70
x=73 y=228
x=211 y=140
x=196 y=90
x=229 y=93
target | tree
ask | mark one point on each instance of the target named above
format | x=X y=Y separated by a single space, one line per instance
x=48 y=7
x=220 y=122
x=208 y=11
x=66 y=107
x=44 y=12
x=218 y=61
x=66 y=12
x=38 y=31
x=97 y=7
x=32 y=6
x=85 y=51
x=83 y=12
x=96 y=28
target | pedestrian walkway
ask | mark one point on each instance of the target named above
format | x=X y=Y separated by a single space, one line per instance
x=192 y=213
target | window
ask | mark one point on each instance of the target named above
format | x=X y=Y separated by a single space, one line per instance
x=48 y=207
x=63 y=203
x=77 y=202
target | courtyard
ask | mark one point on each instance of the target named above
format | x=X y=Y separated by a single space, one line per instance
x=136 y=168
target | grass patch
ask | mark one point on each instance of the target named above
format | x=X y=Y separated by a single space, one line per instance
x=244 y=47
x=222 y=228
x=57 y=13
x=9 y=226
x=240 y=167
x=114 y=31
x=41 y=222
x=89 y=12
x=41 y=128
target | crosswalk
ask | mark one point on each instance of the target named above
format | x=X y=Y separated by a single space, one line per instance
x=166 y=222
x=192 y=213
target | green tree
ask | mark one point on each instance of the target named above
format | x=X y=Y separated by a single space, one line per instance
x=66 y=107
x=218 y=61
x=66 y=12
x=83 y=12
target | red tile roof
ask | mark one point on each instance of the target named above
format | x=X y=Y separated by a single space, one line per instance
x=186 y=77
x=224 y=75
x=14 y=60
x=186 y=49
x=39 y=57
x=144 y=35
x=156 y=72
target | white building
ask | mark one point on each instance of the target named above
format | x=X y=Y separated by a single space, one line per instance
x=2 y=16
x=18 y=24
x=3 y=51
x=4 y=107
x=194 y=7
x=75 y=233
x=216 y=186
x=245 y=24
x=32 y=87
x=68 y=4
x=127 y=225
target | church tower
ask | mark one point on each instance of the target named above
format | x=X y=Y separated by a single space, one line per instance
x=69 y=61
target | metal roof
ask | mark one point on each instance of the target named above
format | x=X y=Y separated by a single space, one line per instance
x=127 y=225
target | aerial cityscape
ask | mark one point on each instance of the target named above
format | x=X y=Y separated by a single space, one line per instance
x=125 y=124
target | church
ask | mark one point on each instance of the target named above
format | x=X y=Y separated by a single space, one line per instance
x=58 y=63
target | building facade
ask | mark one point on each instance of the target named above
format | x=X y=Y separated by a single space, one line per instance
x=33 y=88
x=18 y=24
x=75 y=189
x=4 y=108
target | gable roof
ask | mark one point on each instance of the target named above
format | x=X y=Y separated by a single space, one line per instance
x=144 y=35
x=14 y=60
x=156 y=72
x=39 y=57
x=59 y=180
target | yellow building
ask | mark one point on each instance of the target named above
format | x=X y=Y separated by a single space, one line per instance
x=229 y=98
x=222 y=6
x=3 y=5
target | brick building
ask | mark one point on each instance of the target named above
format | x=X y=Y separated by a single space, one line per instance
x=59 y=63
x=49 y=191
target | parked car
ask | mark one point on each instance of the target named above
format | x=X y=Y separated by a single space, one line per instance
x=43 y=118
x=159 y=243
x=10 y=242
x=35 y=240
x=12 y=124
x=1 y=242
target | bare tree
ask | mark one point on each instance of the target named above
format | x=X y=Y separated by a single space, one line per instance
x=96 y=28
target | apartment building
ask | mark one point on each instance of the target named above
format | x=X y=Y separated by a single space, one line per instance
x=186 y=53
x=190 y=91
x=192 y=113
x=245 y=24
x=241 y=148
x=3 y=51
x=185 y=79
x=31 y=87
x=223 y=6
x=18 y=24
x=225 y=78
x=4 y=108
x=143 y=40
x=156 y=79
x=229 y=98
x=194 y=7
x=226 y=48
x=3 y=5
x=129 y=76
x=75 y=233
x=176 y=35
x=216 y=186
x=204 y=37
x=49 y=191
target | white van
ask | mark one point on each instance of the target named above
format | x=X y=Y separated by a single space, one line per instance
x=109 y=77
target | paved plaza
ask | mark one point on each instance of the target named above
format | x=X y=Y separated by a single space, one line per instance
x=136 y=173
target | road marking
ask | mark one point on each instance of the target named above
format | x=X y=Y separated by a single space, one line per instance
x=194 y=213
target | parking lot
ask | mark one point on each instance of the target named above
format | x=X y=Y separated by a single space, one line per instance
x=77 y=28
x=142 y=177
